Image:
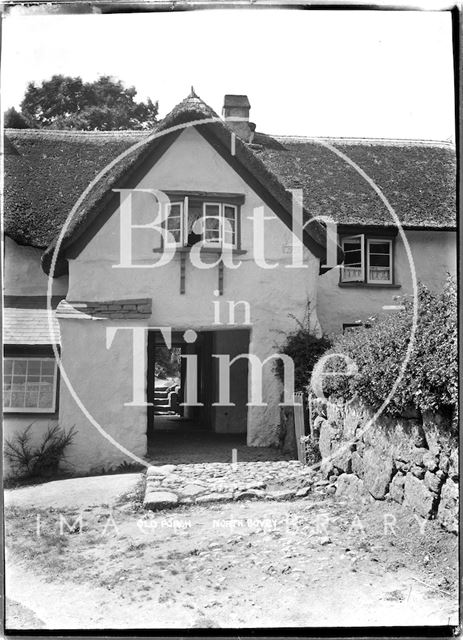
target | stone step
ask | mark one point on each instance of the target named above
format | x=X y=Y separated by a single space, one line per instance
x=169 y=486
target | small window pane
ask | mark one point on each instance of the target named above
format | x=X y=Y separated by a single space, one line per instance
x=379 y=274
x=31 y=386
x=175 y=210
x=379 y=247
x=31 y=398
x=8 y=365
x=229 y=239
x=229 y=212
x=173 y=223
x=379 y=260
x=48 y=367
x=20 y=366
x=17 y=399
x=212 y=235
x=213 y=210
x=352 y=246
x=353 y=257
x=212 y=223
x=45 y=398
x=352 y=274
x=34 y=366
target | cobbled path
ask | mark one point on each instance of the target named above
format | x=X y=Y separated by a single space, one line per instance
x=174 y=485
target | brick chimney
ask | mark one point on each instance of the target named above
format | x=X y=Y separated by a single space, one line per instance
x=236 y=114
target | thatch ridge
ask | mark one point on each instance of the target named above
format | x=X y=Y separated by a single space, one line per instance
x=46 y=171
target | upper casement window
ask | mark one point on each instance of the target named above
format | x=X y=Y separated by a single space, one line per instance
x=220 y=224
x=206 y=218
x=29 y=385
x=367 y=260
x=175 y=223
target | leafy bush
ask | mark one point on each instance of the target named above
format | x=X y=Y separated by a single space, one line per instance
x=305 y=349
x=42 y=459
x=431 y=377
x=312 y=452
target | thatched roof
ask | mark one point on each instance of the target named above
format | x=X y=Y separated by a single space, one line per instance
x=417 y=178
x=46 y=172
x=243 y=160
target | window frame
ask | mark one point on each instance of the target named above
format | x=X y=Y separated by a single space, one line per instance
x=370 y=240
x=235 y=244
x=208 y=243
x=183 y=217
x=366 y=240
x=362 y=257
x=220 y=243
x=47 y=410
x=203 y=199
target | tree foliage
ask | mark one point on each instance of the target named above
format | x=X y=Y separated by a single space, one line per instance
x=167 y=362
x=66 y=102
x=430 y=380
x=14 y=120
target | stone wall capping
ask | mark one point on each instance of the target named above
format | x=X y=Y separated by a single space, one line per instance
x=131 y=308
x=144 y=308
x=108 y=302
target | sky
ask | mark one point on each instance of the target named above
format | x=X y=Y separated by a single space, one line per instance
x=382 y=74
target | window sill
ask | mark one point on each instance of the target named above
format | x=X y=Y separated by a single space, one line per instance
x=368 y=285
x=235 y=252
x=30 y=412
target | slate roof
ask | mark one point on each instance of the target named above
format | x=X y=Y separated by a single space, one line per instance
x=28 y=326
x=46 y=172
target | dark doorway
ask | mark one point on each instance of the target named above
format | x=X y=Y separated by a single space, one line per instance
x=170 y=418
x=166 y=384
x=168 y=387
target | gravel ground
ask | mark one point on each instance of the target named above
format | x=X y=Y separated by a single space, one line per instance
x=73 y=492
x=316 y=561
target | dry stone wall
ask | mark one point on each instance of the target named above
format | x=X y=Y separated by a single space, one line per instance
x=412 y=460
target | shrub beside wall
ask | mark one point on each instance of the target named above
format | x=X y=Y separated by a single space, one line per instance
x=430 y=380
x=410 y=453
x=305 y=350
x=42 y=460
